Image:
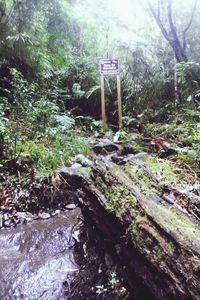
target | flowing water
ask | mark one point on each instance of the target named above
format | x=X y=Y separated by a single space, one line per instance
x=36 y=258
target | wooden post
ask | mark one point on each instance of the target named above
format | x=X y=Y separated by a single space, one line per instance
x=119 y=100
x=103 y=106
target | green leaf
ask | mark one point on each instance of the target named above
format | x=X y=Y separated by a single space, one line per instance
x=91 y=91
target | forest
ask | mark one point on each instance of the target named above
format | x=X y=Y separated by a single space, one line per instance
x=91 y=208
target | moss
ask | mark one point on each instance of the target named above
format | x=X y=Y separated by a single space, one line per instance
x=159 y=255
x=163 y=169
x=119 y=198
x=133 y=230
x=121 y=187
x=141 y=179
x=178 y=224
x=195 y=262
x=137 y=147
x=124 y=135
x=170 y=247
x=86 y=172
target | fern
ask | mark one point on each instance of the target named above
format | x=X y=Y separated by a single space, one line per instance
x=64 y=121
x=91 y=91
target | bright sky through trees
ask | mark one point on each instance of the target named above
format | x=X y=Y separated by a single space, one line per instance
x=129 y=21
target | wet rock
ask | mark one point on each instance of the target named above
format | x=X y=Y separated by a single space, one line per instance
x=1 y=220
x=21 y=215
x=44 y=215
x=6 y=217
x=105 y=146
x=116 y=137
x=76 y=235
x=29 y=217
x=35 y=260
x=57 y=212
x=25 y=217
x=7 y=223
x=70 y=206
x=35 y=217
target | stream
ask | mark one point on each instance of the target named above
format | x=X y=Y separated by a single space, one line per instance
x=36 y=258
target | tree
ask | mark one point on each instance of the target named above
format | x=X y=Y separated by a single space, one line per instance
x=177 y=41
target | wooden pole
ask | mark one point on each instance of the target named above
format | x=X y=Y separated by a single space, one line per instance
x=119 y=100
x=176 y=88
x=103 y=106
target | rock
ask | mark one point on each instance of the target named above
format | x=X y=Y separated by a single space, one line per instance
x=29 y=219
x=17 y=221
x=7 y=223
x=70 y=206
x=1 y=221
x=84 y=161
x=105 y=146
x=116 y=137
x=69 y=170
x=35 y=217
x=21 y=215
x=57 y=211
x=76 y=165
x=6 y=217
x=44 y=215
x=76 y=235
x=157 y=241
x=35 y=260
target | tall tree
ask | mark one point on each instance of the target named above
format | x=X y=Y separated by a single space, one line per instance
x=177 y=40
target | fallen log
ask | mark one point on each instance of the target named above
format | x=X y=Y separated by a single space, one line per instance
x=157 y=242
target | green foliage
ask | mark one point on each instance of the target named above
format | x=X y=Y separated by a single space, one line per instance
x=189 y=157
x=189 y=80
x=49 y=56
x=49 y=154
x=77 y=92
x=64 y=122
x=33 y=127
x=93 y=89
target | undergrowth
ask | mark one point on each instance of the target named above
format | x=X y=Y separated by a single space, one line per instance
x=36 y=129
x=183 y=133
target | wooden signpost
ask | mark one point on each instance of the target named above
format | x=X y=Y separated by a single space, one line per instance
x=110 y=67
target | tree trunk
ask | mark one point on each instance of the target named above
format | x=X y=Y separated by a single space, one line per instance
x=178 y=45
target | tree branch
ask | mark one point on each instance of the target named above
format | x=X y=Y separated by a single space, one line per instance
x=158 y=21
x=170 y=35
x=178 y=49
x=171 y=23
x=189 y=24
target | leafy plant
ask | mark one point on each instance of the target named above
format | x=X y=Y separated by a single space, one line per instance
x=189 y=79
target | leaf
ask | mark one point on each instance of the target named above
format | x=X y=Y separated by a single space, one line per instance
x=91 y=91
x=65 y=121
